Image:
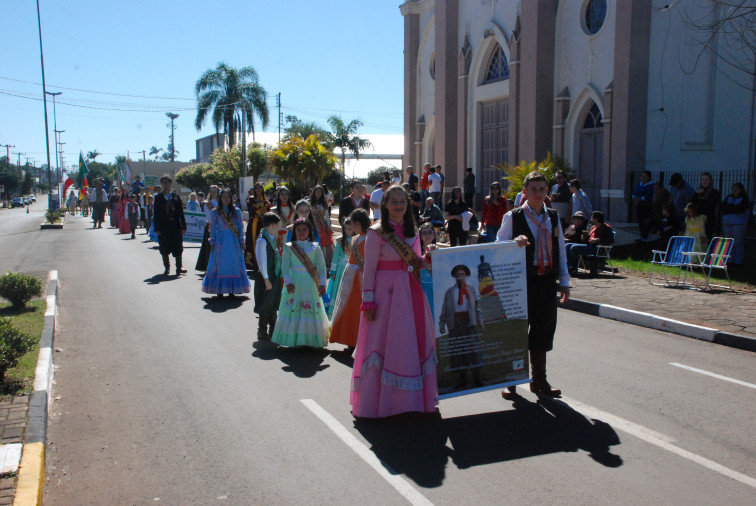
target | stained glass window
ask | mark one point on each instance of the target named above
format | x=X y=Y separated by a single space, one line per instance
x=594 y=119
x=595 y=14
x=498 y=68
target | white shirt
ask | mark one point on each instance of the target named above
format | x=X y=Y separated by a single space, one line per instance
x=434 y=180
x=505 y=234
x=375 y=198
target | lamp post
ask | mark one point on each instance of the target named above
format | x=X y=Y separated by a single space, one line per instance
x=44 y=101
x=343 y=171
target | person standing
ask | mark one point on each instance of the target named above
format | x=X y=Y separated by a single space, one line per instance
x=395 y=360
x=132 y=214
x=137 y=184
x=226 y=271
x=355 y=200
x=84 y=202
x=338 y=265
x=170 y=226
x=735 y=209
x=412 y=178
x=580 y=201
x=302 y=320
x=285 y=210
x=561 y=197
x=424 y=194
x=207 y=207
x=434 y=186
x=319 y=214
x=708 y=198
x=193 y=206
x=257 y=205
x=455 y=218
x=268 y=277
x=123 y=218
x=99 y=201
x=681 y=193
x=537 y=229
x=114 y=201
x=495 y=206
x=469 y=187
x=376 y=198
x=643 y=196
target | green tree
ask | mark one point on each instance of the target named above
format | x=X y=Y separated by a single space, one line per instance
x=344 y=137
x=27 y=184
x=154 y=151
x=193 y=176
x=515 y=174
x=172 y=151
x=304 y=129
x=225 y=168
x=257 y=159
x=376 y=174
x=302 y=162
x=229 y=93
x=92 y=155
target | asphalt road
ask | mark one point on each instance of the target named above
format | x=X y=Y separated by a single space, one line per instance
x=162 y=396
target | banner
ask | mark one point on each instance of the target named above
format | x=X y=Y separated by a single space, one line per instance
x=480 y=311
x=195 y=226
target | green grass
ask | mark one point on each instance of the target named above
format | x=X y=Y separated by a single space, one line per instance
x=31 y=321
x=742 y=279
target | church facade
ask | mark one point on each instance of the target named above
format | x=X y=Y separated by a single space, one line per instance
x=613 y=86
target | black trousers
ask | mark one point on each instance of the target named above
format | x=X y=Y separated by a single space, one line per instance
x=644 y=218
x=542 y=311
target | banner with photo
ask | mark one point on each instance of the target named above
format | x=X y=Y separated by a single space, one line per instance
x=480 y=311
x=195 y=226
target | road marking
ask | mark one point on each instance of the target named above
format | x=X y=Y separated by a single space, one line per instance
x=713 y=375
x=656 y=439
x=396 y=481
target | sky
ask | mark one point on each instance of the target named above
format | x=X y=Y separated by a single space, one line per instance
x=121 y=65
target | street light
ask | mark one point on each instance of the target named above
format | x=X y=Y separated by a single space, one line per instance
x=54 y=94
x=343 y=171
x=44 y=100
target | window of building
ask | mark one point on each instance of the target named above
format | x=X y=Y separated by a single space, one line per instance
x=498 y=68
x=595 y=15
x=594 y=119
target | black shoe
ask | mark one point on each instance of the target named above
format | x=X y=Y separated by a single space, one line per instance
x=219 y=296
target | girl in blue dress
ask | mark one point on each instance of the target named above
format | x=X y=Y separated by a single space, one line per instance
x=338 y=264
x=226 y=270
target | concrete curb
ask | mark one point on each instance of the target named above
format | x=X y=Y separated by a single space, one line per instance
x=652 y=321
x=31 y=473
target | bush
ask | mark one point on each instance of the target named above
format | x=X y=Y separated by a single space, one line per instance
x=52 y=216
x=515 y=174
x=13 y=345
x=19 y=288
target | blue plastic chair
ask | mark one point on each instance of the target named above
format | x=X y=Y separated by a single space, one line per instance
x=672 y=257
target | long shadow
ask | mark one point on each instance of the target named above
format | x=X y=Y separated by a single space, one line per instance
x=343 y=357
x=160 y=278
x=225 y=304
x=303 y=362
x=416 y=445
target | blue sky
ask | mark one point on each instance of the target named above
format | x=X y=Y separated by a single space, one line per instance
x=122 y=64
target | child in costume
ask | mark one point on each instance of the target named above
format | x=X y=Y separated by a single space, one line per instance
x=339 y=263
x=268 y=277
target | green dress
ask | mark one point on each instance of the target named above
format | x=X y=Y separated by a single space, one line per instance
x=302 y=320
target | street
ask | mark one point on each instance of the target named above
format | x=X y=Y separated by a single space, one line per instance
x=162 y=395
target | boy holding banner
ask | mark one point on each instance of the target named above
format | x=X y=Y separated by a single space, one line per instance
x=537 y=228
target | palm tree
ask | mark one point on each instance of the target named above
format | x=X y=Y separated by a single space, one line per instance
x=154 y=150
x=343 y=136
x=92 y=155
x=231 y=93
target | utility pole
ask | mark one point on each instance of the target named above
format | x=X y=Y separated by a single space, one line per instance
x=44 y=101
x=55 y=129
x=19 y=159
x=172 y=147
x=7 y=153
x=144 y=163
x=244 y=143
x=278 y=106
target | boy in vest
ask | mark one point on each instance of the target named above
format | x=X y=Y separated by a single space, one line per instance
x=132 y=213
x=267 y=277
x=537 y=228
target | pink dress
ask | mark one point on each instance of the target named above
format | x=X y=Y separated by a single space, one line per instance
x=395 y=360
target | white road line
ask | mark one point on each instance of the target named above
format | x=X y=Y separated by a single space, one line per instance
x=656 y=439
x=400 y=485
x=713 y=375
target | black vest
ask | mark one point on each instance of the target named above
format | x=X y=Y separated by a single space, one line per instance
x=520 y=227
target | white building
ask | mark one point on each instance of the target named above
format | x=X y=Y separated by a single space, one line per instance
x=613 y=86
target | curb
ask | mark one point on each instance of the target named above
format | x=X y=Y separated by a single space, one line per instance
x=652 y=321
x=31 y=472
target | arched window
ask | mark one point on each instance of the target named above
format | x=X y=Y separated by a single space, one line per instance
x=594 y=119
x=498 y=68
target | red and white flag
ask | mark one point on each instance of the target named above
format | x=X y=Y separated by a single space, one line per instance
x=67 y=182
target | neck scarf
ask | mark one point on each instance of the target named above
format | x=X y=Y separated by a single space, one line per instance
x=462 y=292
x=543 y=237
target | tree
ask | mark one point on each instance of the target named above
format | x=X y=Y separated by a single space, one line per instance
x=515 y=174
x=172 y=152
x=305 y=129
x=257 y=159
x=302 y=162
x=193 y=177
x=225 y=167
x=154 y=150
x=343 y=136
x=375 y=175
x=229 y=93
x=92 y=155
x=27 y=184
x=727 y=28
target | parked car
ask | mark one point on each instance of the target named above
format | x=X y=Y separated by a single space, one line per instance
x=26 y=200
x=32 y=198
x=17 y=202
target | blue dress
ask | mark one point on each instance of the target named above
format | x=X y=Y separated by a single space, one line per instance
x=226 y=270
x=338 y=264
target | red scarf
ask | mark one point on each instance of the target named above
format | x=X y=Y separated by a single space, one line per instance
x=543 y=235
x=462 y=292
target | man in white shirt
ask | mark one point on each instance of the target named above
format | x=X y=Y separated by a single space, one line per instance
x=99 y=200
x=375 y=200
x=537 y=228
x=434 y=185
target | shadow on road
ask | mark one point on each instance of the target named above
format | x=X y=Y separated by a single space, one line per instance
x=225 y=304
x=160 y=278
x=343 y=357
x=416 y=445
x=303 y=362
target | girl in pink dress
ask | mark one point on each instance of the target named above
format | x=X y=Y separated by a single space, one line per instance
x=395 y=360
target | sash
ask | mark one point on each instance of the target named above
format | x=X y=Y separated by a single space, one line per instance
x=229 y=223
x=272 y=243
x=308 y=265
x=319 y=215
x=356 y=253
x=414 y=264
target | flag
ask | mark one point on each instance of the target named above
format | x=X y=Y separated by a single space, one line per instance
x=120 y=174
x=83 y=171
x=127 y=172
x=67 y=182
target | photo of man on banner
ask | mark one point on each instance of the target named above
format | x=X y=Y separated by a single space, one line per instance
x=481 y=328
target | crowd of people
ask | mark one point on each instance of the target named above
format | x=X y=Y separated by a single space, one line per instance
x=370 y=289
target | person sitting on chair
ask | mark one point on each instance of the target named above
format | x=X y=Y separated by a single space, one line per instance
x=600 y=233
